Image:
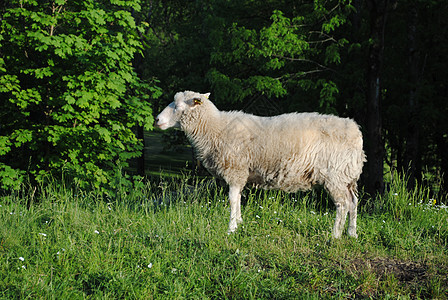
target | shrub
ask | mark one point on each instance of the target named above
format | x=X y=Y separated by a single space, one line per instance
x=69 y=95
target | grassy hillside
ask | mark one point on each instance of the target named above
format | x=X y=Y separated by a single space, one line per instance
x=167 y=240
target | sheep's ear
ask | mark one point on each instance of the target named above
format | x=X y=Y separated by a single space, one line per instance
x=194 y=102
x=207 y=95
x=197 y=101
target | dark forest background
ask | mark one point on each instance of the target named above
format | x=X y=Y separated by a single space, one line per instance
x=80 y=81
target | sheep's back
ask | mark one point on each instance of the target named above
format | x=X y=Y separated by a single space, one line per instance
x=296 y=151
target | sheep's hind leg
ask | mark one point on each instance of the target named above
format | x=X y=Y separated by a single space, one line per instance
x=353 y=213
x=342 y=206
x=235 y=208
x=341 y=215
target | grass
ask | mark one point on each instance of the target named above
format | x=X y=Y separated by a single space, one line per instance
x=167 y=239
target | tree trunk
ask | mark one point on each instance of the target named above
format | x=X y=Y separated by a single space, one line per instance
x=374 y=142
x=442 y=147
x=412 y=158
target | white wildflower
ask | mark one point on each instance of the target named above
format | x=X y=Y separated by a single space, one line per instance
x=150 y=265
x=43 y=234
x=97 y=232
x=21 y=258
x=257 y=216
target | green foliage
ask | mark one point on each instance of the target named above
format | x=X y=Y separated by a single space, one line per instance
x=10 y=178
x=238 y=49
x=69 y=95
x=296 y=45
x=328 y=94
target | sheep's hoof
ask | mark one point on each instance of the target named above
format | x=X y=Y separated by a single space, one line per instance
x=352 y=233
x=337 y=236
x=230 y=231
x=233 y=225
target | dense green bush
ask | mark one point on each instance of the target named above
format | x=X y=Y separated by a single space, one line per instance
x=68 y=92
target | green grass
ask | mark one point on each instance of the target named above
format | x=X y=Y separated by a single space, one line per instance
x=167 y=240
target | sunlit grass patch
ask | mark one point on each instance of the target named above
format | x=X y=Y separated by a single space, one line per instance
x=167 y=239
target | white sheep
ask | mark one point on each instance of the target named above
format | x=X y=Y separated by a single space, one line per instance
x=289 y=152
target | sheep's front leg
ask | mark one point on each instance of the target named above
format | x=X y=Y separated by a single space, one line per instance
x=235 y=208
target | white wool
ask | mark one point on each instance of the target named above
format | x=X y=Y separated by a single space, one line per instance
x=288 y=152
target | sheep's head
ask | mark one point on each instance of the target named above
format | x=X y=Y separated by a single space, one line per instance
x=184 y=103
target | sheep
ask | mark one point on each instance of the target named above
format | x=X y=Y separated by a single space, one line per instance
x=288 y=152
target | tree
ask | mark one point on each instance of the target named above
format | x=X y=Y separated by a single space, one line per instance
x=381 y=62
x=413 y=92
x=280 y=49
x=177 y=45
x=69 y=94
x=375 y=145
